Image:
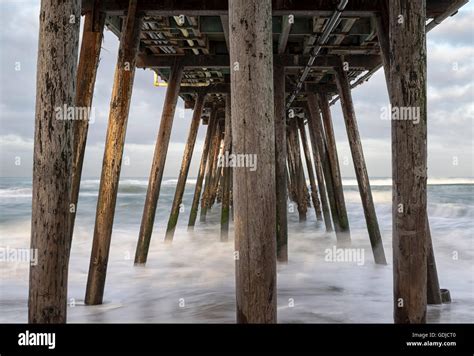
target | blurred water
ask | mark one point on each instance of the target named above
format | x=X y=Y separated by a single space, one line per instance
x=192 y=280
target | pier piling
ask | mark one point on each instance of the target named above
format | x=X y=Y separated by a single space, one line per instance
x=158 y=164
x=318 y=168
x=202 y=169
x=52 y=164
x=183 y=172
x=227 y=171
x=359 y=164
x=253 y=133
x=316 y=127
x=281 y=183
x=89 y=57
x=409 y=160
x=112 y=162
x=309 y=168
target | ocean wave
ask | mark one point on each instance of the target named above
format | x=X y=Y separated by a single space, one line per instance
x=16 y=192
x=89 y=187
x=380 y=197
x=90 y=183
x=173 y=182
x=450 y=181
x=126 y=183
x=449 y=210
x=431 y=181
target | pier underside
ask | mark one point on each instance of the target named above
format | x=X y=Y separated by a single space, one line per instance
x=262 y=76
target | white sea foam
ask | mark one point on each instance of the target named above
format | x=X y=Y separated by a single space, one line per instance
x=199 y=270
x=431 y=181
x=15 y=192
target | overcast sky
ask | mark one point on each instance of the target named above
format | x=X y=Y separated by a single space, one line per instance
x=450 y=105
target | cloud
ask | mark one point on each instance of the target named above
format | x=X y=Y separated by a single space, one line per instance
x=456 y=29
x=17 y=156
x=450 y=51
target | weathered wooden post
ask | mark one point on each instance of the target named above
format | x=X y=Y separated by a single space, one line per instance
x=319 y=176
x=112 y=162
x=280 y=164
x=433 y=289
x=304 y=192
x=292 y=183
x=433 y=292
x=216 y=178
x=409 y=159
x=52 y=161
x=299 y=186
x=183 y=173
x=231 y=199
x=158 y=165
x=333 y=161
x=210 y=171
x=86 y=72
x=219 y=188
x=359 y=163
x=202 y=168
x=309 y=167
x=251 y=58
x=316 y=129
x=227 y=172
x=382 y=22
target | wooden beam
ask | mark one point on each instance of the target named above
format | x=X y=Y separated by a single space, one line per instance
x=50 y=220
x=189 y=62
x=253 y=134
x=227 y=172
x=356 y=61
x=158 y=164
x=286 y=23
x=224 y=88
x=309 y=168
x=112 y=162
x=86 y=73
x=409 y=160
x=307 y=8
x=359 y=164
x=183 y=173
x=281 y=192
x=202 y=168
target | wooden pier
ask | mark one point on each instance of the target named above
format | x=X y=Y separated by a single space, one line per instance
x=261 y=75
